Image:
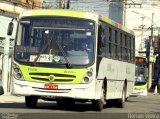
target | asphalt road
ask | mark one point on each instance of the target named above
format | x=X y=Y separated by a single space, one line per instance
x=141 y=107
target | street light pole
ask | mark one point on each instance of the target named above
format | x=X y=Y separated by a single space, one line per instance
x=151 y=51
x=5 y=65
x=124 y=12
x=142 y=33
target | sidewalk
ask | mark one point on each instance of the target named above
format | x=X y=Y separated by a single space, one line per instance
x=8 y=98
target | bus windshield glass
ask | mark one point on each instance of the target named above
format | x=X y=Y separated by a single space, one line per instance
x=141 y=69
x=55 y=41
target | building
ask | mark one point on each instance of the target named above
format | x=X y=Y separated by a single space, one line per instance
x=10 y=9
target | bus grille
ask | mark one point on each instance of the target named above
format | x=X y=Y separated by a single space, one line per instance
x=57 y=77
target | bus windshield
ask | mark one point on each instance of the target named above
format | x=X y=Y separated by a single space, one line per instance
x=55 y=41
x=141 y=70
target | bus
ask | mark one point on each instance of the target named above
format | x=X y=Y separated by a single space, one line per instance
x=141 y=73
x=49 y=63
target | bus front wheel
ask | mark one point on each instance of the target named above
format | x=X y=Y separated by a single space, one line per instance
x=31 y=101
x=98 y=104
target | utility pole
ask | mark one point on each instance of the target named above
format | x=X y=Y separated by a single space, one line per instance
x=142 y=33
x=5 y=68
x=124 y=12
x=5 y=64
x=151 y=51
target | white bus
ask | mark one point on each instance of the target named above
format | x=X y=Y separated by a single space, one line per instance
x=50 y=63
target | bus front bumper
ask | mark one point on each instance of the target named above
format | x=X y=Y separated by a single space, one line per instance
x=75 y=91
x=137 y=92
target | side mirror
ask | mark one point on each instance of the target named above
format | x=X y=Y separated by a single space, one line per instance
x=10 y=28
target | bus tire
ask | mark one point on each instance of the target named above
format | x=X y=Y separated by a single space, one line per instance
x=126 y=98
x=158 y=85
x=31 y=101
x=121 y=102
x=98 y=104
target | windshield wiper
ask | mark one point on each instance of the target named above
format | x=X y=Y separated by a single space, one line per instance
x=64 y=55
x=43 y=49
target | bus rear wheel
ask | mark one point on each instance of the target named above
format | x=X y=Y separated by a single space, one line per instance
x=121 y=102
x=31 y=101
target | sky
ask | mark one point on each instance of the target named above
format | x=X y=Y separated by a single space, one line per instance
x=100 y=6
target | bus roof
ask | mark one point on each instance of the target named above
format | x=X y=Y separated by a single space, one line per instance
x=60 y=12
x=75 y=14
x=115 y=24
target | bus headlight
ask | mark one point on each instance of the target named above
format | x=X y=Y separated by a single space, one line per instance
x=16 y=70
x=89 y=73
x=17 y=73
x=86 y=79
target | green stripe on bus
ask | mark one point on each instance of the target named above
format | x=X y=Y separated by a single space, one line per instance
x=140 y=87
x=70 y=13
x=62 y=76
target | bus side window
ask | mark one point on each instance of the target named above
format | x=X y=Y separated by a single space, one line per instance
x=101 y=41
x=99 y=49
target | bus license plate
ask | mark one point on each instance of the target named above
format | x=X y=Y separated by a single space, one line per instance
x=51 y=86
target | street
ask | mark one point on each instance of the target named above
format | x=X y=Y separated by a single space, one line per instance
x=12 y=106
